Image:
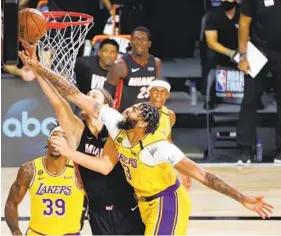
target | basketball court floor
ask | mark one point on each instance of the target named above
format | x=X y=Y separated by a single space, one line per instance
x=212 y=213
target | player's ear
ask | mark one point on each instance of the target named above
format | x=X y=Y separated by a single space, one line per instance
x=149 y=43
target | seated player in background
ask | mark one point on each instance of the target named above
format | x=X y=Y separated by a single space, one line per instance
x=56 y=196
x=129 y=78
x=159 y=91
x=147 y=158
x=112 y=206
x=91 y=72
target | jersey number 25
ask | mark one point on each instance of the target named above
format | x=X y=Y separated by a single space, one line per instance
x=143 y=94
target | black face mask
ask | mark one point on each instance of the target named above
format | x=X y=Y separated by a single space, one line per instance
x=228 y=5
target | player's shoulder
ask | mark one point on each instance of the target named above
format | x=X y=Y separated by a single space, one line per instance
x=171 y=112
x=157 y=60
x=28 y=165
x=215 y=14
x=172 y=116
x=27 y=170
x=119 y=68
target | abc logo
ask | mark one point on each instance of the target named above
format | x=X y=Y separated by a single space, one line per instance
x=18 y=122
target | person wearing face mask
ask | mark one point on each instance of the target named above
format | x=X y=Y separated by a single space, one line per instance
x=221 y=33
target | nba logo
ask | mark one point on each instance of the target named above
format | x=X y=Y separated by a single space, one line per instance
x=221 y=76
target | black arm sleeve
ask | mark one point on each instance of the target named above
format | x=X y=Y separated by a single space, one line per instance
x=211 y=22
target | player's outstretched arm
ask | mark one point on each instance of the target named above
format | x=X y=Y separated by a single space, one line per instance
x=190 y=168
x=166 y=152
x=103 y=165
x=16 y=194
x=69 y=122
x=117 y=72
x=64 y=87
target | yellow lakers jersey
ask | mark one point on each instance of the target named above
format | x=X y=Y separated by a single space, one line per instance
x=146 y=180
x=56 y=201
x=164 y=122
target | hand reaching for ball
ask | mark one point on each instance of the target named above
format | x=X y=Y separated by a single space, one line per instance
x=28 y=55
x=30 y=50
x=28 y=61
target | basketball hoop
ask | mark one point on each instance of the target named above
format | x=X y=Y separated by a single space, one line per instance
x=66 y=33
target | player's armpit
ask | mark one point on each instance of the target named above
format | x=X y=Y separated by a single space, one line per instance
x=16 y=194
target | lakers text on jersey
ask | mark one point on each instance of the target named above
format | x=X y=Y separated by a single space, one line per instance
x=146 y=180
x=56 y=201
x=165 y=215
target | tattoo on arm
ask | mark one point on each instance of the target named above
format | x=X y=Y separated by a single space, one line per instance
x=214 y=182
x=16 y=194
x=65 y=88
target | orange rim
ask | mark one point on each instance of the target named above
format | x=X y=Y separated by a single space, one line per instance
x=86 y=19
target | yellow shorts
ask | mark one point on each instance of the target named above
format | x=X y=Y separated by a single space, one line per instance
x=167 y=215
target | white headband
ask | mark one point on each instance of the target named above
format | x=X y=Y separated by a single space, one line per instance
x=160 y=83
x=58 y=128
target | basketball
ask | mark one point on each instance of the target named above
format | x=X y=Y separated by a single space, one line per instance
x=32 y=25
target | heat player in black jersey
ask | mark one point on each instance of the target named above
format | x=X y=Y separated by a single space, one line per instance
x=130 y=76
x=91 y=72
x=112 y=206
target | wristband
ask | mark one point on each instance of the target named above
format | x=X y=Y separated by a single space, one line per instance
x=242 y=57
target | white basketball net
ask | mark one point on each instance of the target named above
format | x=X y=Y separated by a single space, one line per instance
x=58 y=49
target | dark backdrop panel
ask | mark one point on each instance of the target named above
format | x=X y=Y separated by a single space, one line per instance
x=175 y=26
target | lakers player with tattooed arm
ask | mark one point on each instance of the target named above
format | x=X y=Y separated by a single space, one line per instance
x=159 y=91
x=56 y=196
x=147 y=158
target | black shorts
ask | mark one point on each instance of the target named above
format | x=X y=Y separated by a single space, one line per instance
x=116 y=222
